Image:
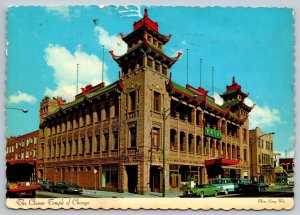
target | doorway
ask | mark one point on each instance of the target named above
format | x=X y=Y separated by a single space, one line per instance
x=155 y=173
x=132 y=174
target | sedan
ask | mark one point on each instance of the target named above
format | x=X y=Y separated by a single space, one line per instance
x=66 y=187
x=202 y=190
x=46 y=185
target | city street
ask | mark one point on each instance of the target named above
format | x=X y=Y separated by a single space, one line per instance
x=273 y=191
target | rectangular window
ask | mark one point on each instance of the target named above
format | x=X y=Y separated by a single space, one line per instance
x=107 y=110
x=132 y=137
x=82 y=150
x=164 y=70
x=132 y=102
x=75 y=147
x=245 y=154
x=245 y=134
x=155 y=138
x=90 y=145
x=156 y=102
x=97 y=143
x=149 y=63
x=63 y=149
x=116 y=141
x=116 y=105
x=58 y=150
x=157 y=66
x=70 y=148
x=106 y=141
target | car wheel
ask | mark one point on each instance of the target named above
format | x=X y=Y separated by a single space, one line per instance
x=226 y=192
x=216 y=193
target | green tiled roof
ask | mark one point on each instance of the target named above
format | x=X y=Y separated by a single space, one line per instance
x=228 y=92
x=209 y=101
x=233 y=102
x=89 y=96
x=107 y=88
x=182 y=89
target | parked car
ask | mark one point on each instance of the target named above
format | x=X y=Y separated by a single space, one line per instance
x=258 y=186
x=224 y=184
x=46 y=185
x=202 y=190
x=243 y=184
x=66 y=187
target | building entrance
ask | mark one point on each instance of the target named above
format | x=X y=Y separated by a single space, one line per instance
x=155 y=173
x=132 y=174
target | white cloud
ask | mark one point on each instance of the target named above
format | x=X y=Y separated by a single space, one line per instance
x=64 y=64
x=263 y=117
x=260 y=116
x=111 y=42
x=21 y=97
x=290 y=153
x=218 y=99
x=129 y=11
x=63 y=11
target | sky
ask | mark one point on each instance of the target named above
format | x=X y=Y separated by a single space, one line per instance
x=255 y=45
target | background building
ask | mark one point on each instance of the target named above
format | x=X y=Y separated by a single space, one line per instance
x=262 y=163
x=122 y=137
x=22 y=147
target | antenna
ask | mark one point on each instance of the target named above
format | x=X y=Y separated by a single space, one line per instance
x=200 y=70
x=187 y=66
x=102 y=62
x=77 y=79
x=212 y=80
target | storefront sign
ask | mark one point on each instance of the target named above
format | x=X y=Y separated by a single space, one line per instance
x=212 y=133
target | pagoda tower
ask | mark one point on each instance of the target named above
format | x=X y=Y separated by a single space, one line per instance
x=145 y=69
x=235 y=97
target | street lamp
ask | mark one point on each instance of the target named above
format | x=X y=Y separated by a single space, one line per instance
x=23 y=110
x=164 y=117
x=250 y=144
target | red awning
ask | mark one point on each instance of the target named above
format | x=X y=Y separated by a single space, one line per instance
x=222 y=161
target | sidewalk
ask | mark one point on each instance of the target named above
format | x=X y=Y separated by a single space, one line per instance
x=106 y=194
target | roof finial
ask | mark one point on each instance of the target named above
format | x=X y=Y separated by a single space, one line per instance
x=145 y=13
x=233 y=80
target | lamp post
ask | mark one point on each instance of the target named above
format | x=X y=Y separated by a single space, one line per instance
x=164 y=116
x=250 y=144
x=23 y=110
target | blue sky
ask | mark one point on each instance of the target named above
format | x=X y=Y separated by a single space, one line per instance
x=45 y=44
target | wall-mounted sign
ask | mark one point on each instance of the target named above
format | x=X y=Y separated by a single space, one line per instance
x=212 y=133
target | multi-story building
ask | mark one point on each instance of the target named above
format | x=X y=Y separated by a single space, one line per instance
x=287 y=165
x=261 y=151
x=113 y=137
x=22 y=147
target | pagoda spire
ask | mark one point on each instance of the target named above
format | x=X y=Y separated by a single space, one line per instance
x=145 y=13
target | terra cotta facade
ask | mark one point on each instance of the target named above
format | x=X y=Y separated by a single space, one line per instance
x=111 y=137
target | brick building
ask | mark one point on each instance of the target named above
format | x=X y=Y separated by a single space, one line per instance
x=262 y=162
x=111 y=137
x=22 y=147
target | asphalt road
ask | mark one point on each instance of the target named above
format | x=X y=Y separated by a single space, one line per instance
x=271 y=192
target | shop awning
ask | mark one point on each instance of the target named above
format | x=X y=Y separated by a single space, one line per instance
x=221 y=161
